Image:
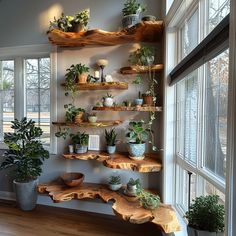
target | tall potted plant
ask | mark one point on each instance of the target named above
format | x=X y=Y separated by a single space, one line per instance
x=110 y=136
x=26 y=154
x=206 y=217
x=81 y=142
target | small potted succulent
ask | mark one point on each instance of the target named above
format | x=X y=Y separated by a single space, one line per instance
x=110 y=137
x=136 y=137
x=206 y=217
x=80 y=141
x=148 y=200
x=73 y=114
x=114 y=183
x=133 y=187
x=108 y=100
x=131 y=12
x=148 y=99
x=139 y=101
x=92 y=117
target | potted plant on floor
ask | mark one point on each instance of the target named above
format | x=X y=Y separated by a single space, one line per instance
x=110 y=137
x=73 y=114
x=81 y=142
x=26 y=154
x=114 y=183
x=206 y=217
x=136 y=137
x=131 y=12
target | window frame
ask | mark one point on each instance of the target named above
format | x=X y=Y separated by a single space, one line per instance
x=19 y=54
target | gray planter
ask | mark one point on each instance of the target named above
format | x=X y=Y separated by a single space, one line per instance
x=195 y=232
x=80 y=149
x=26 y=194
x=111 y=149
x=130 y=20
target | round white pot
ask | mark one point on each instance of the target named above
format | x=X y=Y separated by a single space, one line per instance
x=114 y=187
x=108 y=102
x=92 y=119
x=195 y=232
x=26 y=194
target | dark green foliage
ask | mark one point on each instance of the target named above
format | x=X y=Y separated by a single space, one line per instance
x=135 y=182
x=26 y=152
x=71 y=112
x=133 y=7
x=80 y=138
x=205 y=213
x=110 y=137
x=137 y=133
x=114 y=180
x=62 y=133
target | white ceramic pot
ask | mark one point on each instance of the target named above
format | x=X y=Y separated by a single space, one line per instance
x=114 y=187
x=92 y=119
x=108 y=102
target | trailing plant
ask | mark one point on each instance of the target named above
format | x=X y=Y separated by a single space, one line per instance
x=133 y=7
x=205 y=213
x=71 y=112
x=25 y=150
x=114 y=180
x=80 y=138
x=110 y=137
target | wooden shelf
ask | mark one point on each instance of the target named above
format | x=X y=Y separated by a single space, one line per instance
x=98 y=124
x=141 y=69
x=126 y=208
x=123 y=108
x=145 y=31
x=150 y=163
x=102 y=86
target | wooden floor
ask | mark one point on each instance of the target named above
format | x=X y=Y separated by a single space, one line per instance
x=50 y=221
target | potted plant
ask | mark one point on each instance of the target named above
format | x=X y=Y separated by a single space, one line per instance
x=137 y=136
x=131 y=12
x=108 y=100
x=148 y=99
x=114 y=183
x=80 y=141
x=133 y=186
x=206 y=217
x=81 y=21
x=110 y=137
x=92 y=118
x=139 y=101
x=148 y=200
x=26 y=154
x=73 y=114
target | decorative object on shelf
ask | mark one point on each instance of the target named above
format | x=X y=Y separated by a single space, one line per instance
x=131 y=12
x=75 y=23
x=73 y=114
x=92 y=118
x=108 y=100
x=137 y=136
x=72 y=179
x=96 y=75
x=114 y=183
x=110 y=136
x=100 y=107
x=108 y=79
x=26 y=154
x=148 y=18
x=136 y=69
x=138 y=101
x=132 y=187
x=81 y=142
x=102 y=63
x=148 y=200
x=206 y=216
x=71 y=148
x=148 y=99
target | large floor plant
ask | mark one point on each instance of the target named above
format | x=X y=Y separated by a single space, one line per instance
x=26 y=154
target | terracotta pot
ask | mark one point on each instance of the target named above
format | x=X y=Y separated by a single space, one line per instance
x=147 y=100
x=83 y=78
x=79 y=117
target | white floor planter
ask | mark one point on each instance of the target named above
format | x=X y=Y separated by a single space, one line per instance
x=194 y=232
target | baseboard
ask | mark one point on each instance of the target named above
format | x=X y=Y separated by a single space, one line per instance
x=7 y=195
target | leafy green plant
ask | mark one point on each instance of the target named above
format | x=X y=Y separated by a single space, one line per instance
x=147 y=199
x=80 y=138
x=62 y=133
x=133 y=7
x=71 y=112
x=110 y=137
x=26 y=152
x=135 y=182
x=114 y=179
x=205 y=213
x=82 y=17
x=137 y=132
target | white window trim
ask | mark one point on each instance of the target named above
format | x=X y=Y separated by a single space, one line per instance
x=19 y=52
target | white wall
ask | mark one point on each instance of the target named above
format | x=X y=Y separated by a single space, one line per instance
x=25 y=23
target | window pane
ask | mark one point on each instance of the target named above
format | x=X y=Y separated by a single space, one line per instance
x=38 y=94
x=216 y=114
x=6 y=96
x=187 y=113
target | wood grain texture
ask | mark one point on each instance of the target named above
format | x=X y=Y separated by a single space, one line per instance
x=145 y=31
x=124 y=108
x=141 y=69
x=124 y=207
x=150 y=163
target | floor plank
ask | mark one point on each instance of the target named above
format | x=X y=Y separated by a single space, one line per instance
x=51 y=221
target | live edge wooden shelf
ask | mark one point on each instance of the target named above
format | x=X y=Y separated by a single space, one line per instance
x=141 y=69
x=150 y=163
x=145 y=31
x=124 y=108
x=126 y=208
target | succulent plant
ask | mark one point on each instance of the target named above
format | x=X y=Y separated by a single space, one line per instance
x=115 y=179
x=110 y=137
